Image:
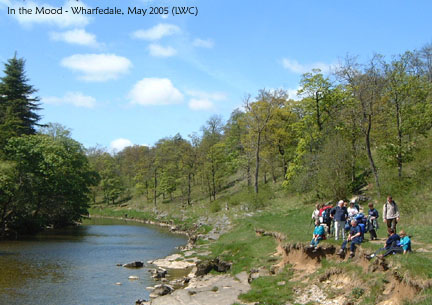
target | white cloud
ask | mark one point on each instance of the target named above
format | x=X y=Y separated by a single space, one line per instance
x=201 y=100
x=200 y=104
x=201 y=43
x=155 y=91
x=161 y=51
x=292 y=94
x=63 y=20
x=76 y=36
x=97 y=67
x=296 y=67
x=157 y=32
x=72 y=98
x=120 y=144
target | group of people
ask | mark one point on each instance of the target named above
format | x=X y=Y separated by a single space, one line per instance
x=348 y=219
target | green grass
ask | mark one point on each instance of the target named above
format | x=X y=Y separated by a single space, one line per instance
x=243 y=248
x=275 y=210
x=266 y=290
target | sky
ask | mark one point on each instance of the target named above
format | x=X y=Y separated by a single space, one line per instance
x=119 y=80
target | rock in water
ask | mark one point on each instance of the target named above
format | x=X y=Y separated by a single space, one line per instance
x=133 y=277
x=136 y=264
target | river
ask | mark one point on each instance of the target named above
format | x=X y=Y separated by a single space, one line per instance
x=77 y=266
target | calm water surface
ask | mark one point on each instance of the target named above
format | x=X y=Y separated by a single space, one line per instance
x=77 y=266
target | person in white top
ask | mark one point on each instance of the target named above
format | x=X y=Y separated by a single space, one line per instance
x=315 y=213
x=352 y=211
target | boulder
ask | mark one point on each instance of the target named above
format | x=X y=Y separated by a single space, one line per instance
x=160 y=290
x=158 y=273
x=216 y=264
x=136 y=264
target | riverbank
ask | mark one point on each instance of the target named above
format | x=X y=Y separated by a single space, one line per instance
x=253 y=241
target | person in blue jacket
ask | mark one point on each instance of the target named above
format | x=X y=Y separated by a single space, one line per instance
x=372 y=221
x=405 y=242
x=392 y=245
x=355 y=237
x=318 y=235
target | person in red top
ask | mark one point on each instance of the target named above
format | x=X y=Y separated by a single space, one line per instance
x=324 y=215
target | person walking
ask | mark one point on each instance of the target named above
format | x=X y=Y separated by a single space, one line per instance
x=391 y=214
x=372 y=221
x=339 y=215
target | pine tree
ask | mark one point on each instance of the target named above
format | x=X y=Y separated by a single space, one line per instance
x=18 y=105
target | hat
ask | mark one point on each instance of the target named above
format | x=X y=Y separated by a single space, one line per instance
x=340 y=201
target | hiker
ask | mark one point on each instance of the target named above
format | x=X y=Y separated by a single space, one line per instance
x=392 y=245
x=391 y=213
x=352 y=211
x=372 y=221
x=339 y=215
x=405 y=242
x=315 y=213
x=318 y=235
x=325 y=215
x=355 y=237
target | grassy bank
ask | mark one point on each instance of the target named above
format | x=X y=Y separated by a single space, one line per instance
x=276 y=211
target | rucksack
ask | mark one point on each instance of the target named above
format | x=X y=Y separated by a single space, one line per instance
x=362 y=230
x=326 y=215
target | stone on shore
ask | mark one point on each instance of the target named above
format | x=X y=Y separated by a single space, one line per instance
x=161 y=290
x=136 y=264
x=175 y=261
x=208 y=290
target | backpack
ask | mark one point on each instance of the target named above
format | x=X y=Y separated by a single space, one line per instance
x=362 y=230
x=326 y=215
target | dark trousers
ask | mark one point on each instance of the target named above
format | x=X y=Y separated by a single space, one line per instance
x=391 y=223
x=390 y=250
x=353 y=245
x=373 y=234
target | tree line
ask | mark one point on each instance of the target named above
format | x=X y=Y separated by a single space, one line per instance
x=359 y=125
x=346 y=129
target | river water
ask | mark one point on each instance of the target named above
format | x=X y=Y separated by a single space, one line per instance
x=77 y=266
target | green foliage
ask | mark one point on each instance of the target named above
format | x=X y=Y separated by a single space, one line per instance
x=52 y=184
x=215 y=206
x=357 y=292
x=18 y=107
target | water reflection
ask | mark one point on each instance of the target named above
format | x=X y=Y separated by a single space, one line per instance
x=78 y=265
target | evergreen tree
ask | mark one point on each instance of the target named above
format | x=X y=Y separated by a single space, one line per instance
x=18 y=105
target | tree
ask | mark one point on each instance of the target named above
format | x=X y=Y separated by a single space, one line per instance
x=258 y=115
x=18 y=105
x=316 y=90
x=366 y=88
x=405 y=97
x=47 y=182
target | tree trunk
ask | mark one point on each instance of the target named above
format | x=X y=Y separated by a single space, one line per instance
x=369 y=153
x=399 y=129
x=257 y=163
x=248 y=174
x=189 y=189
x=213 y=182
x=265 y=177
x=353 y=159
x=319 y=124
x=155 y=188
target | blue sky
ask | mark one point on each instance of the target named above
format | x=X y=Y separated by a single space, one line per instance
x=129 y=79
